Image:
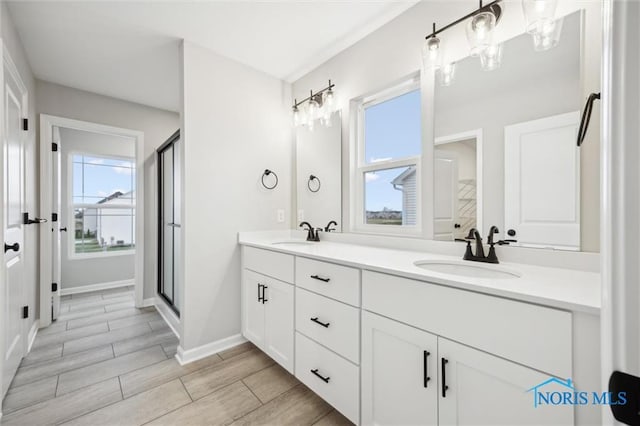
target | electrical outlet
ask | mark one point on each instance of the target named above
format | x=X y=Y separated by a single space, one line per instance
x=300 y=215
x=280 y=214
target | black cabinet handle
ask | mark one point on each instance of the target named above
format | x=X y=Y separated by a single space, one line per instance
x=259 y=293
x=319 y=278
x=63 y=229
x=14 y=247
x=324 y=324
x=324 y=379
x=264 y=299
x=425 y=368
x=444 y=377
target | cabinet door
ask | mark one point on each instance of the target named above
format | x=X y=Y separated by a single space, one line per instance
x=253 y=326
x=399 y=373
x=482 y=389
x=279 y=322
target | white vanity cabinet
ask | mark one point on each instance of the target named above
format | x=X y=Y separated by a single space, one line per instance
x=399 y=373
x=267 y=310
x=384 y=349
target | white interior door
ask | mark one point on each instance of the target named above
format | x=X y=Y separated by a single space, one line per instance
x=542 y=182
x=14 y=329
x=445 y=194
x=56 y=206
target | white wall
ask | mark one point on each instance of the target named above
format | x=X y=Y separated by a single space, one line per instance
x=13 y=45
x=236 y=124
x=78 y=272
x=393 y=53
x=157 y=126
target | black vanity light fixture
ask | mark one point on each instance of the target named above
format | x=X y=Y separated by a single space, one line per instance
x=319 y=105
x=480 y=25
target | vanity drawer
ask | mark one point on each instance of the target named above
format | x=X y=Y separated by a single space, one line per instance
x=270 y=263
x=336 y=325
x=337 y=380
x=528 y=334
x=331 y=280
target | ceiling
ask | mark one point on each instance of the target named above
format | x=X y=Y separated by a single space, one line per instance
x=130 y=49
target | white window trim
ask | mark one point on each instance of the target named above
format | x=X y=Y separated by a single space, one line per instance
x=360 y=167
x=71 y=253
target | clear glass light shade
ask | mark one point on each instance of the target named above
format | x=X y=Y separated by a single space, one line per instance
x=480 y=31
x=447 y=74
x=538 y=14
x=431 y=52
x=329 y=101
x=491 y=57
x=548 y=37
x=297 y=117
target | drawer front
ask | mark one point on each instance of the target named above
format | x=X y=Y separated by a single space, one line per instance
x=334 y=324
x=271 y=263
x=528 y=334
x=332 y=377
x=334 y=281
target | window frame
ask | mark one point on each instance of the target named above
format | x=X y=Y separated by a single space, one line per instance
x=360 y=167
x=71 y=206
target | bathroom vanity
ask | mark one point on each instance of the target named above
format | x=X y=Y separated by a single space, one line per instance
x=390 y=336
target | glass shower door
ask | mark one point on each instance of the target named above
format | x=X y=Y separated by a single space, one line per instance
x=169 y=221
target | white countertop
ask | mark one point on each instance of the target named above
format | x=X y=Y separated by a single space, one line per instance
x=567 y=289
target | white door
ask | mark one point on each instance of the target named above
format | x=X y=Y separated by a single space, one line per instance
x=253 y=309
x=399 y=373
x=542 y=182
x=476 y=388
x=278 y=322
x=445 y=195
x=14 y=330
x=57 y=230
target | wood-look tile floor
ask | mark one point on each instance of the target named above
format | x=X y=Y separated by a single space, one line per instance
x=105 y=362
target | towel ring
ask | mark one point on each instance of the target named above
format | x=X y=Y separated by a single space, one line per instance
x=311 y=179
x=268 y=172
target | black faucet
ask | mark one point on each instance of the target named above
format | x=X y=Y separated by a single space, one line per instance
x=312 y=234
x=479 y=256
x=328 y=228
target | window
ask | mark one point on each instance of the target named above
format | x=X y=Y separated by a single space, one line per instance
x=389 y=156
x=103 y=205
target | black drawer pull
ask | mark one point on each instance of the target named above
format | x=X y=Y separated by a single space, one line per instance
x=324 y=379
x=324 y=324
x=319 y=278
x=259 y=292
x=444 y=377
x=264 y=299
x=425 y=368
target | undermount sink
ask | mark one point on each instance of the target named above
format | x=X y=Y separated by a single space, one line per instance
x=465 y=268
x=292 y=243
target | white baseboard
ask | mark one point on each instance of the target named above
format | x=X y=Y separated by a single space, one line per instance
x=168 y=315
x=185 y=357
x=32 y=334
x=97 y=287
x=148 y=302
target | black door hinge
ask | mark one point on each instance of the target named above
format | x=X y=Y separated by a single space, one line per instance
x=54 y=147
x=25 y=124
x=54 y=217
x=54 y=286
x=25 y=312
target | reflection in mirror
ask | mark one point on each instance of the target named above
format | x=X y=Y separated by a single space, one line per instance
x=319 y=174
x=505 y=145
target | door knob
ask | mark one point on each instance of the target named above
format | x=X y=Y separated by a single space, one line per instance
x=14 y=247
x=63 y=229
x=457 y=225
x=511 y=232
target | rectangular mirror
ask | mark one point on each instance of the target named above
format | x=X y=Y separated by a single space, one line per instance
x=319 y=174
x=505 y=149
